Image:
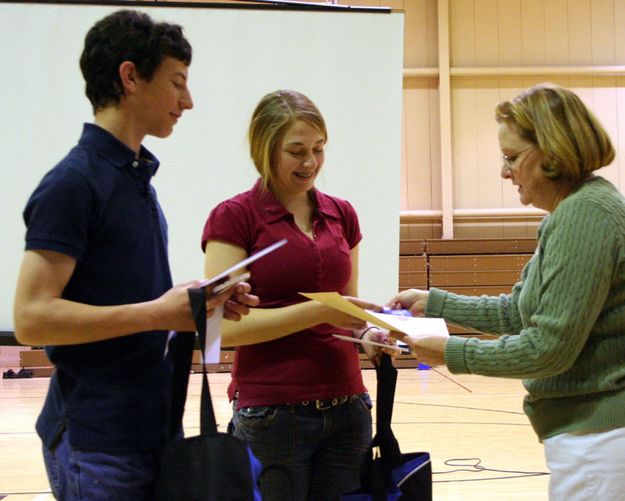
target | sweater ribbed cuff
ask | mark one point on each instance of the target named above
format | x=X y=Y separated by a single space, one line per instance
x=436 y=300
x=454 y=355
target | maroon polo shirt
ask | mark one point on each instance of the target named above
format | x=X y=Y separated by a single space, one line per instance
x=309 y=364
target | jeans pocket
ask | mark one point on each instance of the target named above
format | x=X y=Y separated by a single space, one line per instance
x=268 y=431
x=362 y=423
x=257 y=418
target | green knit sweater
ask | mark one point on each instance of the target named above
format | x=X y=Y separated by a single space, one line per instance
x=562 y=328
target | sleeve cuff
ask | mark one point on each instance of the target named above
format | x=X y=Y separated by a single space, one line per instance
x=436 y=300
x=454 y=355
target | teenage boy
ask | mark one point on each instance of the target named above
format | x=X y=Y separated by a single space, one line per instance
x=95 y=287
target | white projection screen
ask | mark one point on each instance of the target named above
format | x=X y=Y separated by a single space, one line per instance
x=348 y=61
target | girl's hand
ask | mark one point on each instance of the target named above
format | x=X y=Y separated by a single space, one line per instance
x=377 y=335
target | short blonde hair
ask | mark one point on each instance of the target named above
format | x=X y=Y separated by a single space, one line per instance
x=571 y=139
x=273 y=116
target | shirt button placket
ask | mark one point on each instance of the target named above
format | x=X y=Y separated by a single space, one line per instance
x=318 y=265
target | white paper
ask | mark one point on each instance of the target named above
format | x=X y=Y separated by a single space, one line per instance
x=244 y=263
x=414 y=326
x=212 y=346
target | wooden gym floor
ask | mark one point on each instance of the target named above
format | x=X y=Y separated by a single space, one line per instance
x=466 y=423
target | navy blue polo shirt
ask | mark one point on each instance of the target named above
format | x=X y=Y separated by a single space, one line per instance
x=98 y=206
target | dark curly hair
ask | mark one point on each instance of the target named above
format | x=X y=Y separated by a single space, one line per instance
x=127 y=35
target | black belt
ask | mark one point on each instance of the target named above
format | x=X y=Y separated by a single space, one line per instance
x=325 y=404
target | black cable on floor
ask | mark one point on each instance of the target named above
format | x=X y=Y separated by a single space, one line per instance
x=473 y=465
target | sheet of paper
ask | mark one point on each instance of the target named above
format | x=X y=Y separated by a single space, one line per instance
x=242 y=264
x=212 y=346
x=413 y=326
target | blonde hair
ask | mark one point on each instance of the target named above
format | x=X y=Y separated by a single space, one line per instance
x=272 y=118
x=571 y=139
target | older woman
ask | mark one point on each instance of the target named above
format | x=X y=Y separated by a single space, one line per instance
x=563 y=324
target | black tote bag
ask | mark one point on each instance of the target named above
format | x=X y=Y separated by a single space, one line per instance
x=387 y=474
x=212 y=466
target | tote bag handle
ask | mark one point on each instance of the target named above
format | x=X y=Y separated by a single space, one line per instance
x=183 y=354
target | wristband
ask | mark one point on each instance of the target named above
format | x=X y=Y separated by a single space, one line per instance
x=366 y=330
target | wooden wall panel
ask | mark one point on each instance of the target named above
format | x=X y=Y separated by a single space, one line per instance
x=417 y=182
x=488 y=171
x=604 y=99
x=420 y=180
x=602 y=29
x=464 y=127
x=579 y=13
x=486 y=36
x=533 y=32
x=557 y=19
x=582 y=86
x=420 y=39
x=462 y=33
x=619 y=31
x=435 y=151
x=510 y=46
x=432 y=24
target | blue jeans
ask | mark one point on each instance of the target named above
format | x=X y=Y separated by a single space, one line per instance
x=98 y=476
x=321 y=451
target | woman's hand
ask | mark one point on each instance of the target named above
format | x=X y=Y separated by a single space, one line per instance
x=426 y=349
x=414 y=300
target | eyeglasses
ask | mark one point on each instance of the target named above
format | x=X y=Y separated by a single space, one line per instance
x=508 y=161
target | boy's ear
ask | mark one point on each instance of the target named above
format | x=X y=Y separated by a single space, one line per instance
x=128 y=75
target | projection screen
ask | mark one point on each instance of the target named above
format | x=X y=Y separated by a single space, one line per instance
x=349 y=62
